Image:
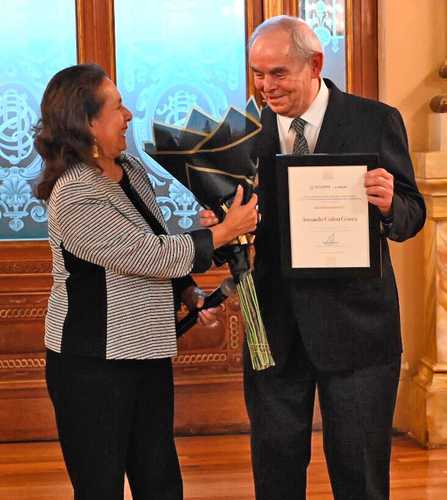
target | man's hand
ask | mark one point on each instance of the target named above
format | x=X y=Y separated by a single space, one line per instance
x=380 y=189
x=194 y=297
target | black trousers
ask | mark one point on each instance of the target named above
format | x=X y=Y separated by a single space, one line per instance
x=116 y=417
x=357 y=411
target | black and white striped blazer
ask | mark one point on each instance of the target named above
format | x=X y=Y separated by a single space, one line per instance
x=112 y=293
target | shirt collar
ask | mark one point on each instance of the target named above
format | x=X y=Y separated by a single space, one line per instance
x=315 y=114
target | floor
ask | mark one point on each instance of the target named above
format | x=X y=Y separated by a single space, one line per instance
x=218 y=468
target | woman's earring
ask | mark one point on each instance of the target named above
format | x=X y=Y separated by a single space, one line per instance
x=95 y=151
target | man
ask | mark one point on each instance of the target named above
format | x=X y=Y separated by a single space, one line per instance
x=342 y=336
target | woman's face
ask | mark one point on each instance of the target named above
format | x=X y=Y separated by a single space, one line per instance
x=110 y=126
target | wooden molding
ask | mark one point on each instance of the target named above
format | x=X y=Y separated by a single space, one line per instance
x=96 y=33
x=272 y=8
x=291 y=7
x=254 y=15
x=362 y=48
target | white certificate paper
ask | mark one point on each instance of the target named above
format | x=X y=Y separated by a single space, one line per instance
x=329 y=222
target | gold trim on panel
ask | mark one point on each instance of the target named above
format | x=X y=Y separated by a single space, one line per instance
x=20 y=364
x=203 y=357
x=31 y=313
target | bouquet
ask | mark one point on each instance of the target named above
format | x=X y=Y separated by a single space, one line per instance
x=211 y=158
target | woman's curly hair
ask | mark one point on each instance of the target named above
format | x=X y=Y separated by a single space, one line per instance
x=62 y=136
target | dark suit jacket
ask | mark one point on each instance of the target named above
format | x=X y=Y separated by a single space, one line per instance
x=344 y=324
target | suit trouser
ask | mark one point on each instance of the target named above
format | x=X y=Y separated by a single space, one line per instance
x=357 y=409
x=116 y=417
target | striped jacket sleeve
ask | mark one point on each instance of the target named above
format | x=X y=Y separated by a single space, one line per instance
x=94 y=230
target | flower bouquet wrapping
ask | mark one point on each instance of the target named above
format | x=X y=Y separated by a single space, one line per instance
x=211 y=159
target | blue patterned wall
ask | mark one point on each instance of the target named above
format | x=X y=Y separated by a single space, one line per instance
x=327 y=18
x=37 y=39
x=171 y=55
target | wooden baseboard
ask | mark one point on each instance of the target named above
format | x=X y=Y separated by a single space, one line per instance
x=204 y=404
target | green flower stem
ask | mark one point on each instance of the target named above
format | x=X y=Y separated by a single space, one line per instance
x=258 y=346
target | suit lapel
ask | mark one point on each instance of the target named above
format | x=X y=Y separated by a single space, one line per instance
x=270 y=137
x=332 y=137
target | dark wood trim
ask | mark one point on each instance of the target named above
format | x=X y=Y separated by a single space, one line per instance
x=254 y=15
x=362 y=47
x=96 y=33
x=290 y=7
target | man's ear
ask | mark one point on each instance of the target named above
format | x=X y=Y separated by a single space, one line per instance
x=316 y=64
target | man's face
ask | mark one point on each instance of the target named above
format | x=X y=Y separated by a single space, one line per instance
x=287 y=82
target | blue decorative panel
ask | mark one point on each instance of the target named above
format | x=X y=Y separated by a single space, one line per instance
x=327 y=18
x=37 y=39
x=173 y=55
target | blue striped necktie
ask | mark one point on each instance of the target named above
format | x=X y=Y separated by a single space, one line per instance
x=300 y=146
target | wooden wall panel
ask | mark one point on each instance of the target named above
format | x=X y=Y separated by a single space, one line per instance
x=207 y=370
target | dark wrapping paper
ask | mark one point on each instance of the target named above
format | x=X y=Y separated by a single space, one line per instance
x=211 y=159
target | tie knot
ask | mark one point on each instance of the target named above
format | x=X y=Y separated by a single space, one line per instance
x=298 y=125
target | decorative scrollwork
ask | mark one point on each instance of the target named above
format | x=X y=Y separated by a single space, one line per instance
x=17 y=118
x=175 y=107
x=189 y=359
x=17 y=200
x=20 y=161
x=23 y=313
x=164 y=85
x=327 y=18
x=180 y=203
x=23 y=363
x=234 y=332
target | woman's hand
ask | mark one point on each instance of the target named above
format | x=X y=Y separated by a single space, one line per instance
x=207 y=218
x=240 y=219
x=194 y=297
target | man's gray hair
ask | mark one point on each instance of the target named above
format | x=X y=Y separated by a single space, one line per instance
x=305 y=41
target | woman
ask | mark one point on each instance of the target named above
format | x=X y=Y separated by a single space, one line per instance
x=110 y=327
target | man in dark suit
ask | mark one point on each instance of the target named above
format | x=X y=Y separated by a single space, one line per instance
x=340 y=336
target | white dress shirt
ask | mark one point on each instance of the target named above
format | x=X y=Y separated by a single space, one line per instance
x=314 y=118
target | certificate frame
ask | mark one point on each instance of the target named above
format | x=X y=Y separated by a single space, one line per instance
x=330 y=161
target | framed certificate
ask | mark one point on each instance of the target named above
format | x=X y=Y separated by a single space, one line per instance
x=327 y=227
